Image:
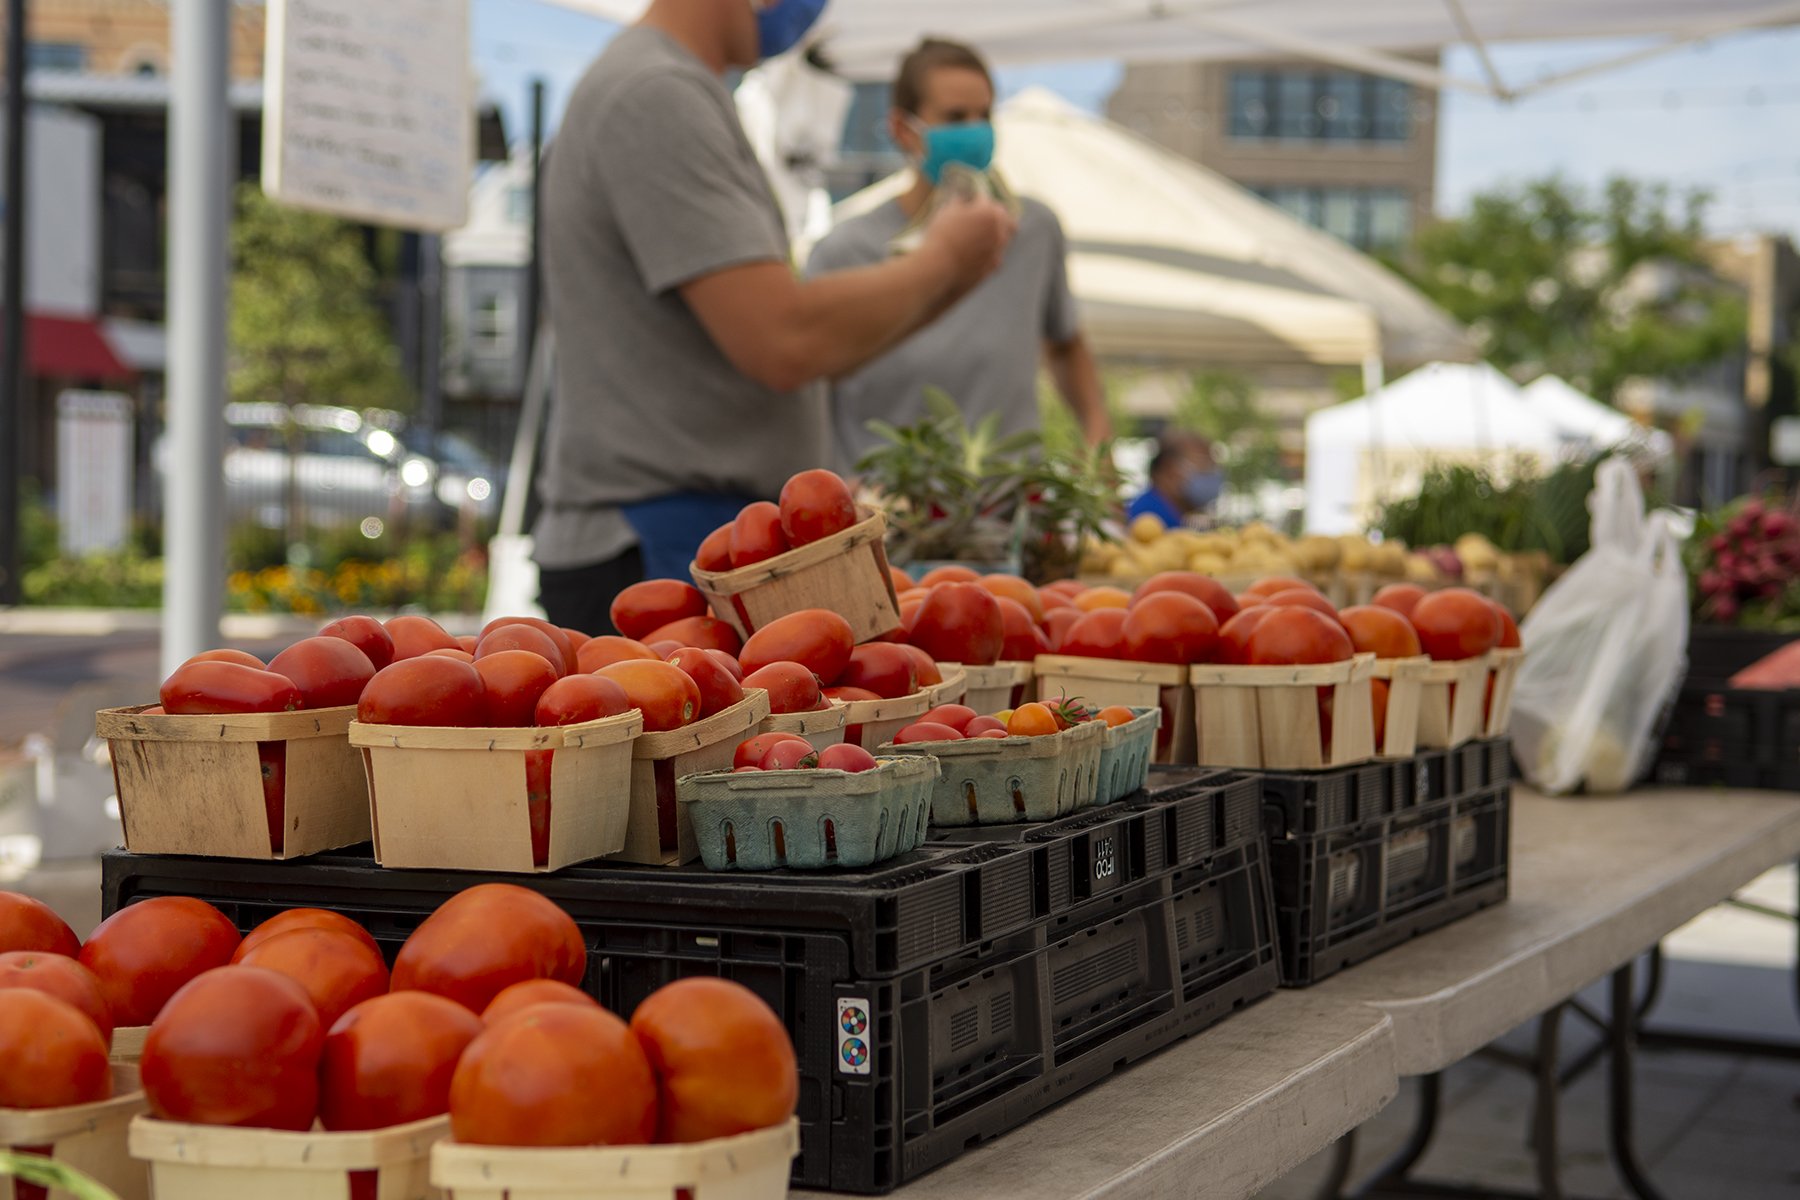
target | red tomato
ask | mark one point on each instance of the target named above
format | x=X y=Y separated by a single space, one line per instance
x=512 y=682
x=665 y=649
x=521 y=996
x=425 y=691
x=1303 y=598
x=961 y=623
x=366 y=634
x=750 y=751
x=850 y=695
x=983 y=725
x=1378 y=691
x=554 y=1075
x=51 y=1056
x=577 y=639
x=467 y=643
x=941 y=575
x=303 y=918
x=462 y=656
x=1011 y=587
x=389 y=1060
x=718 y=689
x=882 y=668
x=926 y=731
x=1035 y=720
x=1098 y=634
x=605 y=651
x=242 y=658
x=956 y=716
x=729 y=662
x=1054 y=600
x=1170 y=627
x=722 y=1059
x=1234 y=638
x=708 y=633
x=337 y=970
x=814 y=505
x=486 y=938
x=650 y=605
x=237 y=1046
x=667 y=696
x=900 y=580
x=929 y=674
x=558 y=638
x=1380 y=631
x=413 y=636
x=62 y=977
x=578 y=699
x=816 y=638
x=522 y=637
x=27 y=923
x=330 y=672
x=756 y=535
x=909 y=612
x=1291 y=635
x=851 y=759
x=1509 y=629
x=789 y=754
x=791 y=687
x=1277 y=583
x=1023 y=641
x=714 y=554
x=1066 y=587
x=1457 y=624
x=145 y=952
x=224 y=687
x=1401 y=597
x=1203 y=588
x=1058 y=622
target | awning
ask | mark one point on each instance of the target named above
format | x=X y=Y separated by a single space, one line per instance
x=73 y=348
x=864 y=38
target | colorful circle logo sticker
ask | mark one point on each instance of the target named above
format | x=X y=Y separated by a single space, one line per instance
x=855 y=1052
x=853 y=1020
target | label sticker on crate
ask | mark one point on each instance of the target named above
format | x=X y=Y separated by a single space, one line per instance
x=1104 y=850
x=855 y=1038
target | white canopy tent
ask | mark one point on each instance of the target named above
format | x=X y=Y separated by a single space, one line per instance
x=1381 y=445
x=1176 y=265
x=864 y=38
x=1585 y=424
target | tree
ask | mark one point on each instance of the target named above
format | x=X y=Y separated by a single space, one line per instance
x=305 y=328
x=1595 y=289
x=1224 y=408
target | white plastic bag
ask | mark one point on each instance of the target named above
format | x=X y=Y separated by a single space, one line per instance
x=1606 y=648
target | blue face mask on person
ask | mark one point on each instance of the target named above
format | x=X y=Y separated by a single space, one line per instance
x=1203 y=488
x=782 y=23
x=968 y=144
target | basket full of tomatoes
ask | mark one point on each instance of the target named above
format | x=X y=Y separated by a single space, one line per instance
x=1475 y=653
x=786 y=804
x=1038 y=762
x=815 y=549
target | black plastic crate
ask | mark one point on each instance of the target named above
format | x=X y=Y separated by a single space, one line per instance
x=1346 y=892
x=1735 y=737
x=1717 y=652
x=901 y=1070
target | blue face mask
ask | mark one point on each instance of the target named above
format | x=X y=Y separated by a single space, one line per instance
x=969 y=144
x=1202 y=488
x=781 y=24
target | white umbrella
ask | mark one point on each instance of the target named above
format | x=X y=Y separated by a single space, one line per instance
x=1586 y=424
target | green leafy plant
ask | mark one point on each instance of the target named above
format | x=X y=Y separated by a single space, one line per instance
x=959 y=492
x=48 y=1173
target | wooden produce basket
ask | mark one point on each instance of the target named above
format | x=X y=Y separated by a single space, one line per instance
x=1406 y=689
x=659 y=833
x=1267 y=718
x=872 y=723
x=1451 y=702
x=846 y=573
x=809 y=819
x=195 y=784
x=750 y=1166
x=91 y=1138
x=461 y=799
x=1503 y=671
x=822 y=728
x=218 y=1162
x=1103 y=682
x=127 y=1047
x=954 y=688
x=994 y=688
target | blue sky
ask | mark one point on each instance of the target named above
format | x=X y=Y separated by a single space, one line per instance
x=1721 y=116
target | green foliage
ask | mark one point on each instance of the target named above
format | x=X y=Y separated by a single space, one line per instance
x=1550 y=278
x=1528 y=511
x=305 y=328
x=956 y=492
x=125 y=579
x=1222 y=408
x=1062 y=433
x=49 y=1174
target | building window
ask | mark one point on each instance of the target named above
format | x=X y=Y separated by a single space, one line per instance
x=1302 y=104
x=55 y=56
x=518 y=206
x=494 y=329
x=1367 y=218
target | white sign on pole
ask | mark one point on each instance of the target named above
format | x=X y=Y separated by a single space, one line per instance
x=371 y=109
x=93 y=471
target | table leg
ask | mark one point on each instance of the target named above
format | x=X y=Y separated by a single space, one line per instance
x=1343 y=1154
x=1395 y=1170
x=1547 y=1105
x=1620 y=1126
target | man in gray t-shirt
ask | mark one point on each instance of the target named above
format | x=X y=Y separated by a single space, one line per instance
x=689 y=356
x=986 y=351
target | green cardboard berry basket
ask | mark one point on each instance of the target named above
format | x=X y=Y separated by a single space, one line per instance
x=1125 y=754
x=1003 y=781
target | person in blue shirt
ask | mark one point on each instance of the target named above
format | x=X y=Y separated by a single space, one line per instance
x=1183 y=480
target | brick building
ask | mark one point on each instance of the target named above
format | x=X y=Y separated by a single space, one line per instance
x=127 y=37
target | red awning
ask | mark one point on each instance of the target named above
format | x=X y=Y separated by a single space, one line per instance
x=73 y=348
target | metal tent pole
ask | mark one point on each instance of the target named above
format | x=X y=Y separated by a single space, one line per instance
x=200 y=159
x=12 y=350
